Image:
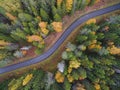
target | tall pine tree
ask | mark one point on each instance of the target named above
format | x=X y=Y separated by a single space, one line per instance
x=44 y=15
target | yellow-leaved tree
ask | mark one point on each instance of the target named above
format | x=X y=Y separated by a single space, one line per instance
x=57 y=26
x=43 y=26
x=59 y=77
x=3 y=43
x=27 y=79
x=93 y=20
x=59 y=2
x=34 y=38
x=69 y=4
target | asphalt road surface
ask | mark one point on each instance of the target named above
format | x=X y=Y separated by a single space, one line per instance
x=60 y=40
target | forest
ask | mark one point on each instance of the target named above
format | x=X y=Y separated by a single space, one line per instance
x=88 y=63
x=25 y=24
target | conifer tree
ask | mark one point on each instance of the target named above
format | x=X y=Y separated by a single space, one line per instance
x=63 y=10
x=44 y=15
x=57 y=18
x=8 y=38
x=92 y=2
x=78 y=4
x=54 y=10
x=83 y=4
x=74 y=6
x=33 y=6
x=25 y=17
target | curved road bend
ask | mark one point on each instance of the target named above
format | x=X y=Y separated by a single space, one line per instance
x=60 y=40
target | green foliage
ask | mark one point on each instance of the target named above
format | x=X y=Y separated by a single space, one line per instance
x=5 y=28
x=92 y=36
x=78 y=5
x=103 y=51
x=44 y=15
x=81 y=38
x=27 y=14
x=83 y=4
x=78 y=53
x=74 y=6
x=87 y=64
x=18 y=54
x=92 y=27
x=67 y=85
x=15 y=84
x=116 y=79
x=82 y=47
x=19 y=33
x=11 y=6
x=54 y=10
x=71 y=55
x=57 y=18
x=95 y=65
x=56 y=86
x=88 y=85
x=114 y=19
x=37 y=82
x=82 y=73
x=25 y=17
x=64 y=55
x=4 y=85
x=92 y=2
x=38 y=51
x=26 y=6
x=4 y=53
x=100 y=36
x=71 y=46
x=63 y=10
x=111 y=36
x=75 y=74
x=2 y=10
x=105 y=87
x=33 y=7
x=3 y=37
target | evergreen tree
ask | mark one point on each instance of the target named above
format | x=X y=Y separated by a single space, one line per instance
x=78 y=4
x=26 y=6
x=2 y=10
x=74 y=6
x=83 y=4
x=25 y=17
x=33 y=6
x=67 y=85
x=54 y=10
x=4 y=85
x=92 y=2
x=63 y=10
x=8 y=38
x=44 y=15
x=57 y=18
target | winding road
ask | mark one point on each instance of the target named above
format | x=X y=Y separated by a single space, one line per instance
x=60 y=40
